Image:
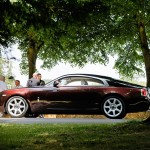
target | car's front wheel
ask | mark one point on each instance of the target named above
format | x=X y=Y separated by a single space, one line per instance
x=113 y=108
x=16 y=107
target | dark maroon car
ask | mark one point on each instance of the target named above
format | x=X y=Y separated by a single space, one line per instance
x=76 y=94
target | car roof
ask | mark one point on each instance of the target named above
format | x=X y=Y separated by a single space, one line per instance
x=85 y=74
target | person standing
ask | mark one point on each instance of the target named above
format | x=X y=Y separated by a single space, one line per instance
x=33 y=81
x=17 y=84
x=41 y=82
x=3 y=85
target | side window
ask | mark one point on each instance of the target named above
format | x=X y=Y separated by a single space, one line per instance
x=81 y=81
x=95 y=83
x=74 y=83
x=63 y=82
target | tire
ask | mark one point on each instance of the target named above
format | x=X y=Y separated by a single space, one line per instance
x=16 y=107
x=113 y=108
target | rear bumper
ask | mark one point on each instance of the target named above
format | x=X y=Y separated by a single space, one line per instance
x=139 y=106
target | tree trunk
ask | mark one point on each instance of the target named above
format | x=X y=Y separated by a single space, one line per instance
x=32 y=56
x=146 y=54
x=32 y=53
x=145 y=50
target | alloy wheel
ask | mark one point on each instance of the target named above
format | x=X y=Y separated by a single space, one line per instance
x=16 y=106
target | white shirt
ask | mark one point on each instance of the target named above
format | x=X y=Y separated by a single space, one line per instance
x=3 y=86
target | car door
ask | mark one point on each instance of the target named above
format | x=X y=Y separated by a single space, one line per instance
x=72 y=96
x=38 y=98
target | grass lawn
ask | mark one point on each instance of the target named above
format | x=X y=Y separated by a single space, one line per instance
x=121 y=136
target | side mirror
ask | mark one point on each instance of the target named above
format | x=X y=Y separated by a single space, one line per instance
x=56 y=83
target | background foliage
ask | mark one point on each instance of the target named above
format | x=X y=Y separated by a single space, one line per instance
x=79 y=32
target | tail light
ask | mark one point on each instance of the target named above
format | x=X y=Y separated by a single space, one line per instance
x=144 y=92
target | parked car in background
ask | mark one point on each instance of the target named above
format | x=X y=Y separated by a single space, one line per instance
x=77 y=94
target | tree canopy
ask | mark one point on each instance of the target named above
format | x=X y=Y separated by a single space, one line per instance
x=81 y=31
x=65 y=32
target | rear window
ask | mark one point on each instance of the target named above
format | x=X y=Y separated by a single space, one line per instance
x=116 y=84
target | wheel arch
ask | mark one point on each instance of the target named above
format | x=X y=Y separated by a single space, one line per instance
x=116 y=95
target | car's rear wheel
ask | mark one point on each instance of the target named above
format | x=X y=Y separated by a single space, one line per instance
x=113 y=107
x=16 y=107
